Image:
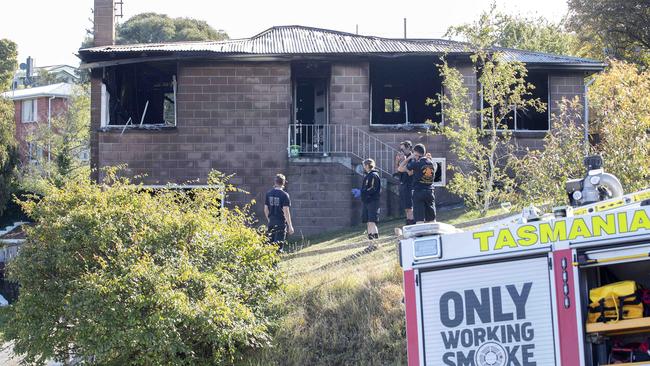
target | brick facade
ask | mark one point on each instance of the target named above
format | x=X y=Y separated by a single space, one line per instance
x=233 y=117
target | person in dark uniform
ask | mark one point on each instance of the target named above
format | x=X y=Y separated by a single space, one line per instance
x=276 y=210
x=424 y=173
x=370 y=189
x=405 y=182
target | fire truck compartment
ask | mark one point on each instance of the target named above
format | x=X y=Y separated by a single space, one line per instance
x=606 y=266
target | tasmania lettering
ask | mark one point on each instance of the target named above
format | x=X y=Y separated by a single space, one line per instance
x=548 y=232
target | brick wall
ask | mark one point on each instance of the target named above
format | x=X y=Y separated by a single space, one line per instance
x=233 y=117
x=104 y=22
x=321 y=197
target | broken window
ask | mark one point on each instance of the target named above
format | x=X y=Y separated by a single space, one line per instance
x=527 y=119
x=400 y=89
x=139 y=95
x=530 y=119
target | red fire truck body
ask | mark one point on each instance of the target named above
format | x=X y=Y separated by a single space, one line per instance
x=516 y=292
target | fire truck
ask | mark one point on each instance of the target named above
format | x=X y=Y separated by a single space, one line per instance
x=516 y=292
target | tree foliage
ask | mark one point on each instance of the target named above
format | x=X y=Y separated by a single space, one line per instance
x=8 y=63
x=541 y=174
x=116 y=274
x=619 y=28
x=620 y=105
x=8 y=148
x=64 y=140
x=520 y=32
x=8 y=152
x=158 y=28
x=485 y=151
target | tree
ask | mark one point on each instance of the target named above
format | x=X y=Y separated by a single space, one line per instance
x=44 y=77
x=65 y=139
x=8 y=148
x=620 y=28
x=620 y=105
x=8 y=153
x=8 y=63
x=117 y=274
x=541 y=174
x=158 y=28
x=524 y=33
x=485 y=151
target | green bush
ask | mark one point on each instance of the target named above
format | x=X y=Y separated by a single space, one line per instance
x=119 y=275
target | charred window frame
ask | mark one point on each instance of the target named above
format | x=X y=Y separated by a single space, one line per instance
x=399 y=89
x=529 y=119
x=139 y=96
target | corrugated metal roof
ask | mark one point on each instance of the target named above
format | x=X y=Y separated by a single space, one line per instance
x=300 y=40
x=58 y=90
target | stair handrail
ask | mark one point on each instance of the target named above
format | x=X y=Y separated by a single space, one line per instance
x=348 y=140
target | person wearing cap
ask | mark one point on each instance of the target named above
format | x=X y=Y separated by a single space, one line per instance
x=276 y=210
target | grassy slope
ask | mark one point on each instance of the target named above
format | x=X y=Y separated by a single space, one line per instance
x=343 y=301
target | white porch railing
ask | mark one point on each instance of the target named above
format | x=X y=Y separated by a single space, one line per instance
x=332 y=139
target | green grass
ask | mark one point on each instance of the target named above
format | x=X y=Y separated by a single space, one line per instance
x=343 y=303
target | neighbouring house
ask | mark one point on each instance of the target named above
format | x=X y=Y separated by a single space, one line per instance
x=34 y=106
x=59 y=74
x=307 y=102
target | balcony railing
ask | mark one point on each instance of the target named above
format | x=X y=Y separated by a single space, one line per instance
x=337 y=140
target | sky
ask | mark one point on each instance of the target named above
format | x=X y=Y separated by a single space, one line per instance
x=51 y=31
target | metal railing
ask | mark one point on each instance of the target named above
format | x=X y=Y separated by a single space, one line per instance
x=332 y=139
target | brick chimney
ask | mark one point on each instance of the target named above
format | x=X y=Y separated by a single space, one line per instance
x=104 y=12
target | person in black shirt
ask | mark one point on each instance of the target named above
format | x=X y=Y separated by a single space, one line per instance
x=276 y=210
x=370 y=189
x=424 y=173
x=405 y=182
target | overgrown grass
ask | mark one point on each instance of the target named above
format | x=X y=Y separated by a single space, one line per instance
x=343 y=303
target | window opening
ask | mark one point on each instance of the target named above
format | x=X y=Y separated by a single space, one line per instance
x=400 y=89
x=139 y=95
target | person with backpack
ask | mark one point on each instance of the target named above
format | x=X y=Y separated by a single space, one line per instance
x=423 y=169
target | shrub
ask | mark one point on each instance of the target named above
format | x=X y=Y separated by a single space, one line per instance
x=117 y=274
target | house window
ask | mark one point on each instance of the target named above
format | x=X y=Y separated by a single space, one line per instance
x=34 y=152
x=84 y=154
x=440 y=179
x=528 y=119
x=29 y=110
x=139 y=96
x=400 y=88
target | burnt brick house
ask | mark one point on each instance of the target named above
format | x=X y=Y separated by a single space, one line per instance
x=307 y=102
